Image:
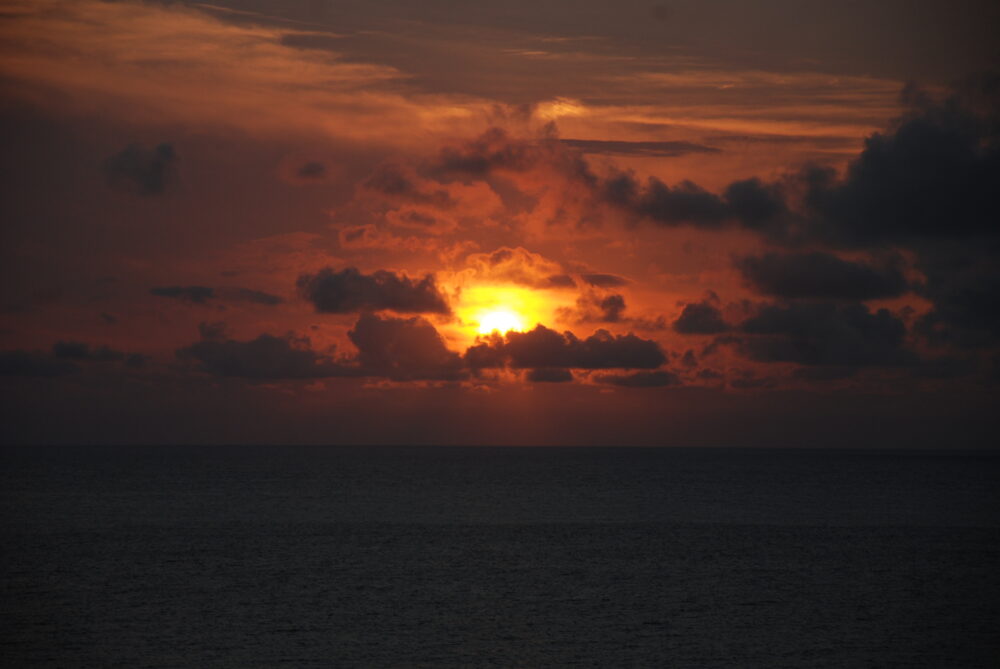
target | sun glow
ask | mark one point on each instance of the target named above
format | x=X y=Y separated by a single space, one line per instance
x=488 y=308
x=501 y=320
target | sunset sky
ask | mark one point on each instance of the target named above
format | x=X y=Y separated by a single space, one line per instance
x=385 y=222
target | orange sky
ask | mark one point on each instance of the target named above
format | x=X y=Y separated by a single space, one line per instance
x=306 y=213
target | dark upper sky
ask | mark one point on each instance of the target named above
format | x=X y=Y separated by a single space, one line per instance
x=690 y=223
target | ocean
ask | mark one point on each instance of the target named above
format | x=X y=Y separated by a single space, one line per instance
x=250 y=556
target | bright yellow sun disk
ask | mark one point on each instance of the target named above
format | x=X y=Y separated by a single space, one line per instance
x=501 y=320
x=486 y=308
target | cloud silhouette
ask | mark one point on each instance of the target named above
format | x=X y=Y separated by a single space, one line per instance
x=824 y=333
x=266 y=357
x=542 y=347
x=140 y=170
x=349 y=291
x=193 y=294
x=403 y=349
x=700 y=318
x=819 y=275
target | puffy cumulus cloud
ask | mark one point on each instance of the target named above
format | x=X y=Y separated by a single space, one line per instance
x=929 y=185
x=518 y=265
x=403 y=349
x=657 y=379
x=140 y=170
x=759 y=206
x=399 y=349
x=349 y=291
x=684 y=203
x=824 y=333
x=932 y=176
x=265 y=358
x=545 y=348
x=700 y=318
x=750 y=203
x=820 y=275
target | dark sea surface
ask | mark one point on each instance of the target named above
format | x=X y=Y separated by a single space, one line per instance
x=483 y=557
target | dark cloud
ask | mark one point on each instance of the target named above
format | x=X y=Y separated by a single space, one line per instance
x=751 y=204
x=560 y=281
x=963 y=284
x=193 y=294
x=824 y=333
x=265 y=358
x=349 y=291
x=140 y=170
x=543 y=347
x=250 y=295
x=820 y=276
x=758 y=206
x=403 y=349
x=78 y=351
x=825 y=373
x=214 y=331
x=934 y=175
x=136 y=360
x=685 y=203
x=595 y=308
x=929 y=184
x=324 y=42
x=202 y=294
x=748 y=380
x=701 y=318
x=311 y=170
x=656 y=379
x=624 y=148
x=400 y=184
x=492 y=151
x=549 y=375
x=604 y=280
x=611 y=307
x=32 y=363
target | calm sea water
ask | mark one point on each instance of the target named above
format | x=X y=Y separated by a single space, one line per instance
x=481 y=557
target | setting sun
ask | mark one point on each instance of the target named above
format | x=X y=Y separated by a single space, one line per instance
x=501 y=320
x=487 y=308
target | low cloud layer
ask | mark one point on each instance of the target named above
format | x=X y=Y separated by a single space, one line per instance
x=265 y=358
x=545 y=348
